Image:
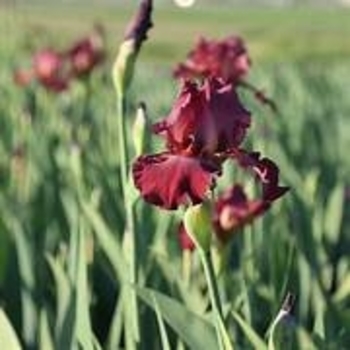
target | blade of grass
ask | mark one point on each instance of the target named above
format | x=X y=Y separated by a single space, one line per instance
x=196 y=332
x=8 y=337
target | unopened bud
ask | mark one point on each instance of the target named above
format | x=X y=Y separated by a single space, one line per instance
x=198 y=224
x=135 y=34
x=139 y=130
x=123 y=68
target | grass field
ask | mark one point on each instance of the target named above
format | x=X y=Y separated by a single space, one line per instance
x=63 y=251
x=274 y=34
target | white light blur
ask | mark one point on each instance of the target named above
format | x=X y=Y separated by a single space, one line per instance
x=184 y=3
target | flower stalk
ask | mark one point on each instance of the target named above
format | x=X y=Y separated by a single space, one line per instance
x=130 y=238
x=197 y=223
x=223 y=339
x=122 y=74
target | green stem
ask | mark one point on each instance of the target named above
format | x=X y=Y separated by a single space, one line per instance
x=214 y=299
x=186 y=266
x=130 y=232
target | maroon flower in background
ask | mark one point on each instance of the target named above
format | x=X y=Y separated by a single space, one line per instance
x=23 y=77
x=54 y=70
x=87 y=53
x=205 y=119
x=48 y=68
x=226 y=59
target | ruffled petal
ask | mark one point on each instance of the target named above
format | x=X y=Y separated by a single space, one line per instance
x=266 y=171
x=188 y=122
x=168 y=180
x=205 y=119
x=225 y=59
x=230 y=117
x=233 y=210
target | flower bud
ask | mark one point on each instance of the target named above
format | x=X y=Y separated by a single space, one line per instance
x=123 y=68
x=139 y=130
x=135 y=34
x=198 y=224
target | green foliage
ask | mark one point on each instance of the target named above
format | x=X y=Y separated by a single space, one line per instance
x=8 y=338
x=191 y=328
x=63 y=271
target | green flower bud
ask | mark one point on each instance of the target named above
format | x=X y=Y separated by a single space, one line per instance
x=198 y=224
x=139 y=130
x=123 y=68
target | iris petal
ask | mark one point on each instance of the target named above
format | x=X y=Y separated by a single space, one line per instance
x=266 y=171
x=233 y=210
x=205 y=119
x=225 y=59
x=168 y=180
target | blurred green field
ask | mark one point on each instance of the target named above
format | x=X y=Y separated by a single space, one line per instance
x=274 y=34
x=62 y=218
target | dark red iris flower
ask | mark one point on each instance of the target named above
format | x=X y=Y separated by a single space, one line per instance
x=206 y=126
x=48 y=68
x=226 y=59
x=205 y=119
x=87 y=53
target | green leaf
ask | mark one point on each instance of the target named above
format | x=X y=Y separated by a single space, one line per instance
x=83 y=325
x=25 y=261
x=343 y=290
x=226 y=341
x=161 y=326
x=8 y=337
x=116 y=326
x=249 y=332
x=63 y=292
x=45 y=338
x=191 y=328
x=107 y=241
x=334 y=213
x=96 y=344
